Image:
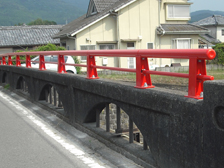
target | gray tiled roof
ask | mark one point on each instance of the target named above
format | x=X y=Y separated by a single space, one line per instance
x=209 y=38
x=102 y=4
x=181 y=29
x=83 y=21
x=28 y=35
x=212 y=20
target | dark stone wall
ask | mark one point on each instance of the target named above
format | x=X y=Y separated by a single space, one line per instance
x=181 y=132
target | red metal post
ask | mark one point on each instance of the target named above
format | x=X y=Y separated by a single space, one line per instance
x=28 y=61
x=10 y=60
x=42 y=63
x=61 y=64
x=143 y=81
x=18 y=63
x=3 y=60
x=91 y=71
x=197 y=76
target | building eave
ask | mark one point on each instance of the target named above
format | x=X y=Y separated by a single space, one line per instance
x=185 y=32
x=125 y=5
x=179 y=3
x=129 y=40
x=106 y=42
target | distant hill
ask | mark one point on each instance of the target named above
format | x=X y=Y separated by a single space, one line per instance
x=198 y=15
x=82 y=4
x=24 y=11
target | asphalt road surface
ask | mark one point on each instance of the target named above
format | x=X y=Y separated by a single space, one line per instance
x=28 y=141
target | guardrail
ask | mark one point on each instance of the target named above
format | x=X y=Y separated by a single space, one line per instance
x=197 y=65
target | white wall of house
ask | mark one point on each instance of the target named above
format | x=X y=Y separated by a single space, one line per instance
x=220 y=33
x=213 y=31
x=167 y=42
x=96 y=35
x=6 y=50
x=70 y=44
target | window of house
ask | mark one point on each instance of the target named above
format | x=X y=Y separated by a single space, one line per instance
x=86 y=47
x=107 y=46
x=222 y=32
x=150 y=46
x=130 y=45
x=94 y=10
x=178 y=11
x=181 y=43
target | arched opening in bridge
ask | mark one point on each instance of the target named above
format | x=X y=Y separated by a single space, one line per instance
x=50 y=96
x=113 y=119
x=22 y=85
x=4 y=78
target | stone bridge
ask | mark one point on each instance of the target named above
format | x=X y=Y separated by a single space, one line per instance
x=180 y=132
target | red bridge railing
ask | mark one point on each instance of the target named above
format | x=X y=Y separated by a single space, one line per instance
x=197 y=65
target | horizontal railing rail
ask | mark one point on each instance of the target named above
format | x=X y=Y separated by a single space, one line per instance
x=197 y=64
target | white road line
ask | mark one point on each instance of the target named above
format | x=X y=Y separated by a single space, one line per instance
x=47 y=130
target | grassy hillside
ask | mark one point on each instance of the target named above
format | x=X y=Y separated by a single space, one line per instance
x=82 y=4
x=198 y=15
x=24 y=11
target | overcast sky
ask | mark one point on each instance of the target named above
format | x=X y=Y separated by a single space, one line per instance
x=214 y=5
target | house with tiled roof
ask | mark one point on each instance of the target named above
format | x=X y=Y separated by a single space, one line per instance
x=132 y=24
x=215 y=24
x=14 y=38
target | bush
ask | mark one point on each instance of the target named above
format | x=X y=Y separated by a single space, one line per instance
x=219 y=49
x=49 y=47
x=78 y=69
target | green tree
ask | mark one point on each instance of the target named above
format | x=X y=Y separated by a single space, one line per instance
x=78 y=69
x=219 y=49
x=42 y=22
x=49 y=47
x=19 y=24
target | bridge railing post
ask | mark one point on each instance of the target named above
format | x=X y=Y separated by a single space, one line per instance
x=3 y=60
x=61 y=64
x=18 y=63
x=42 y=63
x=197 y=74
x=143 y=81
x=10 y=60
x=91 y=71
x=28 y=61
